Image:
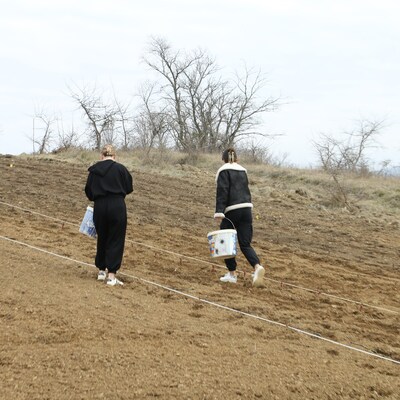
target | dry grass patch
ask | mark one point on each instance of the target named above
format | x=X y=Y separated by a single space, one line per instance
x=371 y=194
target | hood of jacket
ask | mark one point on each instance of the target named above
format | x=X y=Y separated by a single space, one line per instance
x=102 y=167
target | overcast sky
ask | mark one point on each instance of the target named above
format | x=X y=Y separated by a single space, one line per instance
x=332 y=62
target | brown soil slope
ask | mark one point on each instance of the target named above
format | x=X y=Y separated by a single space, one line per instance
x=66 y=336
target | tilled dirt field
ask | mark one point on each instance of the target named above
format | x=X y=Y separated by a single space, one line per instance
x=325 y=326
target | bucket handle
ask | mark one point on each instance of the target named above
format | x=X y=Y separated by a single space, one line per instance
x=231 y=223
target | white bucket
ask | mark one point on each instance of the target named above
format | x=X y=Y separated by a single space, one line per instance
x=87 y=226
x=222 y=243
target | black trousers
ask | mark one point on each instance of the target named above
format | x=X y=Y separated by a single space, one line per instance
x=110 y=220
x=242 y=218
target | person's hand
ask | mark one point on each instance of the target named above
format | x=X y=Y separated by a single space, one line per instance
x=218 y=220
x=218 y=217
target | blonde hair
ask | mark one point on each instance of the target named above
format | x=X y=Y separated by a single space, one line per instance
x=108 y=151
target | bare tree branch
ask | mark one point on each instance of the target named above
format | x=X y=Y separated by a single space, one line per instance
x=100 y=116
x=205 y=111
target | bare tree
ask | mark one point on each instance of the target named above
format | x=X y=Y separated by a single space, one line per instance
x=171 y=67
x=101 y=117
x=152 y=126
x=244 y=108
x=43 y=123
x=205 y=112
x=350 y=154
x=338 y=157
x=124 y=122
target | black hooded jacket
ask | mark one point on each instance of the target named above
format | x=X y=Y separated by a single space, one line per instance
x=106 y=178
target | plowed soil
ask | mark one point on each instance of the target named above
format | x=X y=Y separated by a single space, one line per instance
x=326 y=325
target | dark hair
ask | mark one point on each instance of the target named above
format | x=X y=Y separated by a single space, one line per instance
x=229 y=155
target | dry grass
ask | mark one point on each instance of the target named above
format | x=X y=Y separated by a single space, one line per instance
x=375 y=195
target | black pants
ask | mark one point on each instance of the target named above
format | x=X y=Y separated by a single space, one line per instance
x=110 y=220
x=242 y=218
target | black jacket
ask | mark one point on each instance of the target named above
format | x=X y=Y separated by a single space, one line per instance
x=232 y=189
x=108 y=177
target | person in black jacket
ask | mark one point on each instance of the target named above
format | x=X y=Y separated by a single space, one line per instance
x=233 y=203
x=107 y=185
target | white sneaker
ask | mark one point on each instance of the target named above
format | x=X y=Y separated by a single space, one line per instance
x=258 y=276
x=101 y=276
x=228 y=278
x=113 y=282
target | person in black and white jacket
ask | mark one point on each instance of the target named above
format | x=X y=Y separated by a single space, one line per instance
x=233 y=203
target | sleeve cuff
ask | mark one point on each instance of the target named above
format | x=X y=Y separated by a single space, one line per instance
x=219 y=215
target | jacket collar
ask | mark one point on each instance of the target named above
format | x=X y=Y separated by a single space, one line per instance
x=233 y=166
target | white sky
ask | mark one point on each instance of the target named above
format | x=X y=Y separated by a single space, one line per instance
x=332 y=62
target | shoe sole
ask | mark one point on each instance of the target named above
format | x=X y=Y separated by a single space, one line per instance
x=258 y=278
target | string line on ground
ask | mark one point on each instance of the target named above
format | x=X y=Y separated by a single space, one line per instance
x=179 y=255
x=217 y=305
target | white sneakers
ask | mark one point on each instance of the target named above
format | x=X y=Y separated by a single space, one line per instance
x=228 y=278
x=258 y=276
x=113 y=282
x=101 y=276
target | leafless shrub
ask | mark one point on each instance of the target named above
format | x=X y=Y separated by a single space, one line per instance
x=255 y=152
x=338 y=157
x=348 y=154
x=67 y=138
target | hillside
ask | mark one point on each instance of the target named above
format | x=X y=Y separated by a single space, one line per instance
x=325 y=326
